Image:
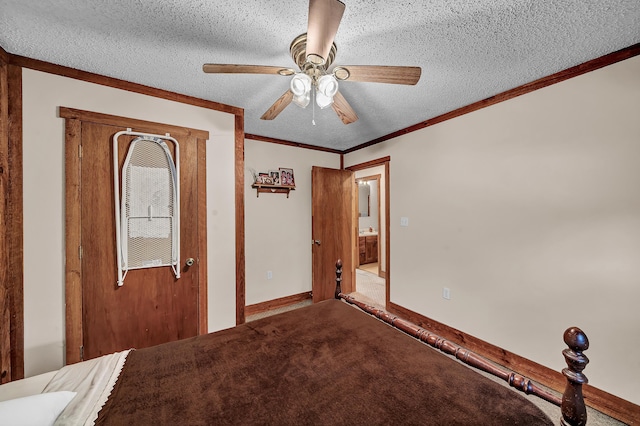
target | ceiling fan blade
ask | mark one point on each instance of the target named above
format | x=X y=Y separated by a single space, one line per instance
x=343 y=109
x=378 y=74
x=246 y=69
x=324 y=20
x=279 y=105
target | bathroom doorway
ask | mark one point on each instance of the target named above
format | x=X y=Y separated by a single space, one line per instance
x=372 y=244
x=368 y=200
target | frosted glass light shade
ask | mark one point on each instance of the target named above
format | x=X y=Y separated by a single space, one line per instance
x=328 y=85
x=300 y=84
x=322 y=100
x=302 y=100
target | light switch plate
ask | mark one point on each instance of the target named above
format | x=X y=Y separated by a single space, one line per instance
x=404 y=221
x=446 y=293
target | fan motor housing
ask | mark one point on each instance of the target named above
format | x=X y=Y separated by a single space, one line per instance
x=298 y=51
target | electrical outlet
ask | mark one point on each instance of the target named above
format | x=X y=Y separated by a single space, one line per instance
x=269 y=275
x=404 y=221
x=446 y=293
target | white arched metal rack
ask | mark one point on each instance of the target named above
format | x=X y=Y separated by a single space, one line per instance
x=147 y=216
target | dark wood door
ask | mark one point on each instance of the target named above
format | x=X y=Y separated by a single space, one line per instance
x=333 y=232
x=152 y=306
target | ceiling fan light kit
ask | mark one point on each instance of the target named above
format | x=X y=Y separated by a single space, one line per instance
x=325 y=89
x=314 y=52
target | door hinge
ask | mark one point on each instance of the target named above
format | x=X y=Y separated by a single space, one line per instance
x=81 y=353
x=80 y=151
x=80 y=252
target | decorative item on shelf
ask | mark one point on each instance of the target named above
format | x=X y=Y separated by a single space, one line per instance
x=265 y=178
x=286 y=177
x=274 y=181
x=254 y=174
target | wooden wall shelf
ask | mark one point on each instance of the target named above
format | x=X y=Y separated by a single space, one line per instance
x=272 y=189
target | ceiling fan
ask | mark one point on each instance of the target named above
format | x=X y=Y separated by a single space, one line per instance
x=313 y=53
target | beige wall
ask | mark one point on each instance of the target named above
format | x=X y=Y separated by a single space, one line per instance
x=277 y=228
x=529 y=211
x=44 y=201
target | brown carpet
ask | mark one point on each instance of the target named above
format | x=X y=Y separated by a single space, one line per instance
x=327 y=364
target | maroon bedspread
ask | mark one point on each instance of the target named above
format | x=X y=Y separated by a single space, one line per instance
x=328 y=364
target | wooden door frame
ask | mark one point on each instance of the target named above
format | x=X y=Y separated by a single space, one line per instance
x=384 y=161
x=11 y=221
x=73 y=264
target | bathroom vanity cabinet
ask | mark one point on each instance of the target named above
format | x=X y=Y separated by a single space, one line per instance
x=368 y=248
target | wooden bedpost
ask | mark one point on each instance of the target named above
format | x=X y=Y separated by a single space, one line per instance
x=338 y=278
x=572 y=406
x=574 y=412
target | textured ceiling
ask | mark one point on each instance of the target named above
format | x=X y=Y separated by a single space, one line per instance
x=468 y=50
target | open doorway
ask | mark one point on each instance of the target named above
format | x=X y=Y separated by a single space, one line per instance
x=371 y=243
x=368 y=196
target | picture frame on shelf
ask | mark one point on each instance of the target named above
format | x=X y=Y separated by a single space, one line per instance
x=264 y=178
x=275 y=176
x=286 y=177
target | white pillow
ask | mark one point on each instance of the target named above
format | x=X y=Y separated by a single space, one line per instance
x=37 y=410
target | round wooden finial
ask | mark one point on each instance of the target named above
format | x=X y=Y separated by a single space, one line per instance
x=574 y=411
x=575 y=339
x=339 y=264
